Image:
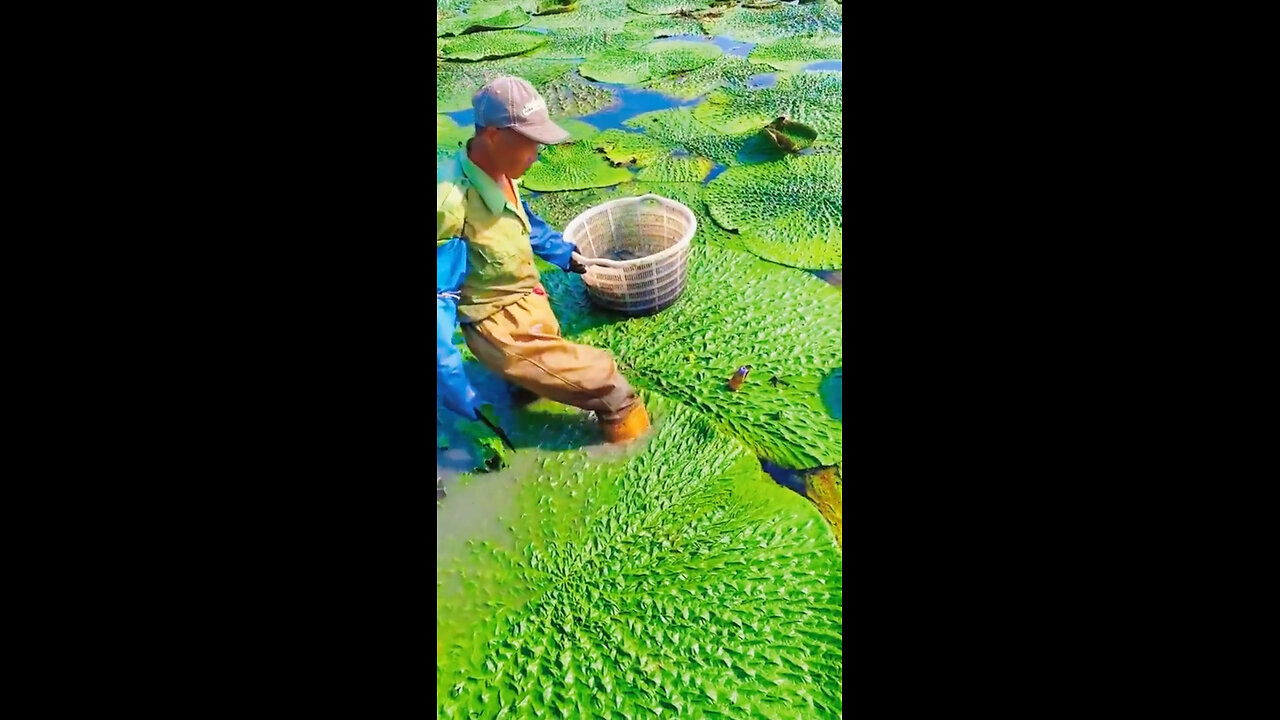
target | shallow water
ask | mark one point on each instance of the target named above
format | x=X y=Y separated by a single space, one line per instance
x=631 y=102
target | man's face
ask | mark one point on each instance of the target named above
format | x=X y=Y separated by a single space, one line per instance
x=516 y=151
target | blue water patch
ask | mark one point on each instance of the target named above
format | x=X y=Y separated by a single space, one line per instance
x=826 y=65
x=767 y=80
x=631 y=102
x=789 y=479
x=464 y=118
x=715 y=171
x=733 y=47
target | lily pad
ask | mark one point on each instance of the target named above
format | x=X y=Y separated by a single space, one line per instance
x=664 y=25
x=457 y=82
x=679 y=127
x=788 y=211
x=572 y=166
x=552 y=7
x=510 y=18
x=578 y=42
x=667 y=7
x=762 y=26
x=490 y=45
x=572 y=96
x=623 y=147
x=672 y=576
x=726 y=70
x=664 y=57
x=676 y=170
x=812 y=98
x=793 y=53
x=577 y=129
x=598 y=14
x=738 y=310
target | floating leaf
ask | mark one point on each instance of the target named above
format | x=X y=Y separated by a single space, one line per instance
x=679 y=127
x=677 y=170
x=570 y=95
x=727 y=70
x=664 y=25
x=797 y=334
x=761 y=26
x=572 y=166
x=667 y=7
x=789 y=211
x=551 y=7
x=623 y=147
x=793 y=53
x=490 y=45
x=577 y=129
x=663 y=57
x=812 y=98
x=599 y=14
x=686 y=482
x=457 y=82
x=583 y=42
x=510 y=18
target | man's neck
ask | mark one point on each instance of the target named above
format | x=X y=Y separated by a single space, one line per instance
x=476 y=154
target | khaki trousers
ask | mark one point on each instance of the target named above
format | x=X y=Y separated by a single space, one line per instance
x=522 y=343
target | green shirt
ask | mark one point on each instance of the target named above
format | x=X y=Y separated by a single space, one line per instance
x=470 y=205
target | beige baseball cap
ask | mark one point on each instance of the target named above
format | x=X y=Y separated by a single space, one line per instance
x=509 y=101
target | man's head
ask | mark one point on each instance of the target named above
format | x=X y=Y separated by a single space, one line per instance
x=512 y=123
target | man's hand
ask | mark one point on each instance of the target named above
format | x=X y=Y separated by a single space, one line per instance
x=575 y=263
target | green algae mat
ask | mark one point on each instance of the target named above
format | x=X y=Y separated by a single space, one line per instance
x=675 y=578
x=670 y=576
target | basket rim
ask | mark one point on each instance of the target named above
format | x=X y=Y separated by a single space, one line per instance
x=576 y=223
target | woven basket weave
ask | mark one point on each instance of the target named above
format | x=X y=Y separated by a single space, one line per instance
x=656 y=230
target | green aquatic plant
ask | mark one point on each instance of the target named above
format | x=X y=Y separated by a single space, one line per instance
x=664 y=25
x=597 y=14
x=667 y=7
x=622 y=147
x=457 y=82
x=551 y=7
x=490 y=45
x=736 y=310
x=788 y=211
x=663 y=57
x=676 y=170
x=674 y=578
x=812 y=98
x=726 y=70
x=510 y=18
x=679 y=127
x=570 y=95
x=576 y=42
x=762 y=26
x=577 y=129
x=797 y=51
x=450 y=137
x=572 y=166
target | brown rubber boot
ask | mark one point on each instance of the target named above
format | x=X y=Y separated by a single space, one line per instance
x=629 y=427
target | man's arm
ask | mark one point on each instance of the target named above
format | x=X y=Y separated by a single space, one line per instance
x=451 y=382
x=549 y=244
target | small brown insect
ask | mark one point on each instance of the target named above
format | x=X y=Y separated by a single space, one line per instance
x=735 y=382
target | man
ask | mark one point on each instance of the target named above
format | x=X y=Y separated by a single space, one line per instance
x=486 y=238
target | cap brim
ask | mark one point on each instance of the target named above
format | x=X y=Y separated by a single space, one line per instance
x=547 y=132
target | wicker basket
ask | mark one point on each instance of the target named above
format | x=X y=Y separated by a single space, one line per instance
x=656 y=230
